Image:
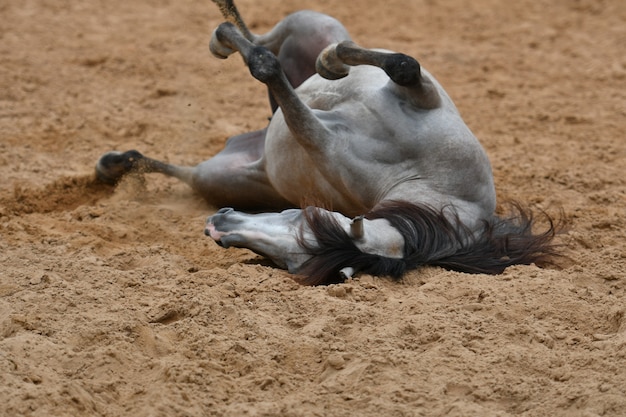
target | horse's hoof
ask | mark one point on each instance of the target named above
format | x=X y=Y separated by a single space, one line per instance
x=112 y=166
x=218 y=49
x=329 y=66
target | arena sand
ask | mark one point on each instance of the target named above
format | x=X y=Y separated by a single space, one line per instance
x=114 y=303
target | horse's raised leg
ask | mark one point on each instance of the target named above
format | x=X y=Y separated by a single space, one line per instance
x=231 y=14
x=296 y=40
x=335 y=61
x=308 y=130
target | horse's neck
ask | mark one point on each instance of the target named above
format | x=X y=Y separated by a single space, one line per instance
x=469 y=213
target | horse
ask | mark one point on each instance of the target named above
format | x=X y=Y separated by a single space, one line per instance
x=366 y=165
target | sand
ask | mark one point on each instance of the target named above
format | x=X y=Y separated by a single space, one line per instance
x=114 y=303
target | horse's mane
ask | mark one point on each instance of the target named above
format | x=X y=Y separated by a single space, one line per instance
x=431 y=238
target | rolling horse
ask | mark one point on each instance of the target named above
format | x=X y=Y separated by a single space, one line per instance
x=366 y=165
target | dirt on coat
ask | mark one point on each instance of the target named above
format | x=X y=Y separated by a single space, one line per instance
x=114 y=303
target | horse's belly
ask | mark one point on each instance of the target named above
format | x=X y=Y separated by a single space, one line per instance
x=296 y=176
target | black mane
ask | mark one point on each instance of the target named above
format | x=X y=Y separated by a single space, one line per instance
x=430 y=239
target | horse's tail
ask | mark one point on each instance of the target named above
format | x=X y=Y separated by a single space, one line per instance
x=431 y=238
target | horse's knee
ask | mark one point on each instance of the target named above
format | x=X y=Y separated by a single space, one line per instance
x=263 y=64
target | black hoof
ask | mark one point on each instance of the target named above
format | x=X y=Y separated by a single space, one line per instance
x=402 y=69
x=113 y=165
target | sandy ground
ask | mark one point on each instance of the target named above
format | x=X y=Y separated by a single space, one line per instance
x=113 y=302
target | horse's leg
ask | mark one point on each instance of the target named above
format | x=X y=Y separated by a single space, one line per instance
x=307 y=129
x=234 y=177
x=335 y=61
x=297 y=40
x=114 y=165
x=231 y=14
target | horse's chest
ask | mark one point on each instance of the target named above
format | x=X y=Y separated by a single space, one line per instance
x=290 y=169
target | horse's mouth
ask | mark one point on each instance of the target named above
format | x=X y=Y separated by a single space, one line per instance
x=211 y=232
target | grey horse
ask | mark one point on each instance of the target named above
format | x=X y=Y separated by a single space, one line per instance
x=366 y=164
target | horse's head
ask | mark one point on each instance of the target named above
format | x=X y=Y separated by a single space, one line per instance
x=273 y=235
x=292 y=237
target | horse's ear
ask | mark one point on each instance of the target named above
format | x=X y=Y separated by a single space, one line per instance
x=356 y=228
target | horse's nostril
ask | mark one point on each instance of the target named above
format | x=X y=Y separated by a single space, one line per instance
x=207 y=232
